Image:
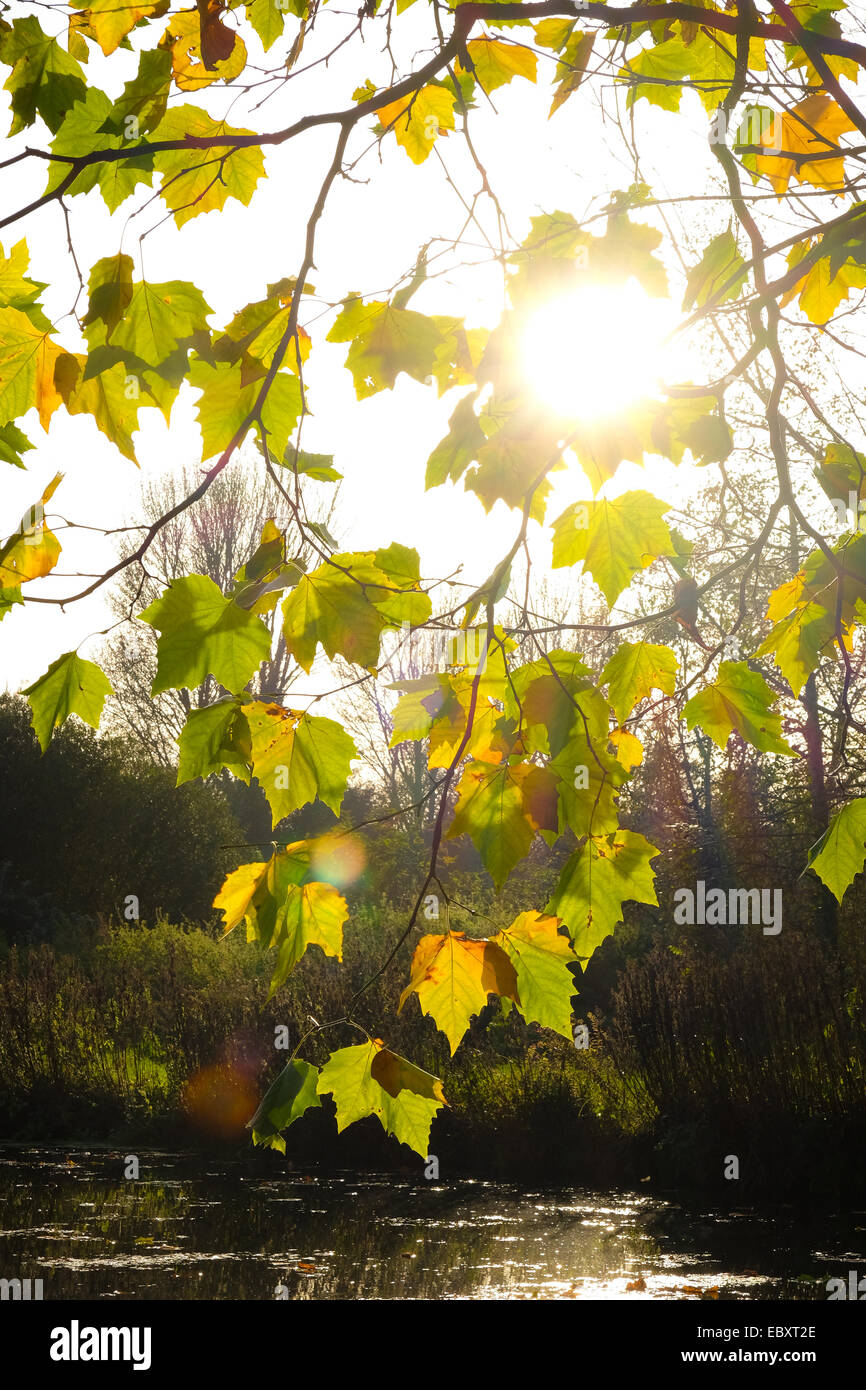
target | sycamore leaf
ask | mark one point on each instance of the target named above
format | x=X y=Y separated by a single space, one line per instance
x=629 y=749
x=452 y=976
x=416 y=120
x=614 y=539
x=385 y=341
x=13 y=443
x=813 y=126
x=371 y=1080
x=71 y=685
x=28 y=358
x=604 y=873
x=634 y=671
x=203 y=50
x=839 y=855
x=286 y=1100
x=113 y=398
x=203 y=633
x=8 y=599
x=214 y=738
x=108 y=22
x=33 y=550
x=719 y=275
x=226 y=404
x=346 y=605
x=282 y=908
x=268 y=19
x=297 y=757
x=196 y=180
x=541 y=957
x=45 y=80
x=738 y=700
x=155 y=318
x=145 y=95
x=571 y=68
x=549 y=698
x=501 y=807
x=495 y=62
x=86 y=128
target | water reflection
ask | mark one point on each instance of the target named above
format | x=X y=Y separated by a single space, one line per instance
x=191 y=1228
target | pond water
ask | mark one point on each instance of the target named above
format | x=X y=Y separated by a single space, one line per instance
x=191 y=1227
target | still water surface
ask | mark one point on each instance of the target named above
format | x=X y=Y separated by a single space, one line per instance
x=194 y=1228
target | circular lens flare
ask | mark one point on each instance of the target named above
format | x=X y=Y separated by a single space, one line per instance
x=599 y=350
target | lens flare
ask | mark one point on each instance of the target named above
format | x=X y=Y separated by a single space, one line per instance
x=595 y=352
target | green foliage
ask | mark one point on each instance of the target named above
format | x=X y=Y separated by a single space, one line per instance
x=514 y=748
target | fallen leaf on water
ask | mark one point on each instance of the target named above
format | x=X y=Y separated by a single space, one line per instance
x=306 y=1266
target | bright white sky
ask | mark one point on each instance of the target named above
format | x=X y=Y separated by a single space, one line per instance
x=370 y=233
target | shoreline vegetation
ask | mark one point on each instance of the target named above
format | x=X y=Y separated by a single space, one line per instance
x=703 y=1042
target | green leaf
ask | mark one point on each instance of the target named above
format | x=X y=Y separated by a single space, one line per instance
x=145 y=96
x=839 y=855
x=384 y=342
x=268 y=19
x=203 y=633
x=13 y=444
x=226 y=403
x=298 y=757
x=214 y=738
x=71 y=685
x=634 y=671
x=83 y=132
x=738 y=700
x=615 y=539
x=720 y=265
x=286 y=1100
x=346 y=605
x=541 y=956
x=45 y=81
x=157 y=317
x=371 y=1080
x=604 y=873
x=502 y=807
x=282 y=907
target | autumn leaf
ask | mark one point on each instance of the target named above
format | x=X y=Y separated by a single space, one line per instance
x=282 y=908
x=416 y=120
x=614 y=539
x=541 y=957
x=604 y=873
x=452 y=976
x=838 y=857
x=371 y=1080
x=297 y=757
x=738 y=700
x=813 y=126
x=203 y=49
x=286 y=1100
x=634 y=671
x=496 y=63
x=502 y=807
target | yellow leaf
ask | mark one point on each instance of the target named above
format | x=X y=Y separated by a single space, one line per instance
x=108 y=22
x=813 y=126
x=497 y=63
x=203 y=50
x=629 y=749
x=417 y=120
x=32 y=551
x=453 y=976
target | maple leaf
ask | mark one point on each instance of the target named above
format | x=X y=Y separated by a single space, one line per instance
x=604 y=873
x=634 y=671
x=195 y=180
x=203 y=633
x=501 y=807
x=541 y=957
x=71 y=685
x=282 y=907
x=614 y=539
x=496 y=63
x=838 y=857
x=452 y=976
x=297 y=757
x=286 y=1100
x=813 y=126
x=371 y=1080
x=416 y=120
x=738 y=700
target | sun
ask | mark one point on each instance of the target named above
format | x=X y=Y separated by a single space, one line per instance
x=593 y=353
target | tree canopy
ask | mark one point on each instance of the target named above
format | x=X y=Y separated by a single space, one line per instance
x=750 y=631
